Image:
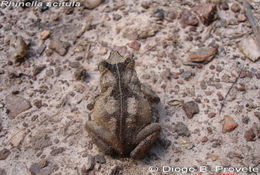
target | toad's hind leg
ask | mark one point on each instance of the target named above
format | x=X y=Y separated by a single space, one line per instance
x=100 y=136
x=144 y=139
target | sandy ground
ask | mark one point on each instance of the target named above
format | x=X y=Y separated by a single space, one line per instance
x=49 y=137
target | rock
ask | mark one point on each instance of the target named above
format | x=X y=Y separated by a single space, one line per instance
x=175 y=75
x=216 y=143
x=38 y=169
x=243 y=74
x=235 y=7
x=43 y=7
x=187 y=18
x=171 y=15
x=158 y=14
x=38 y=69
x=224 y=6
x=37 y=103
x=191 y=108
x=18 y=48
x=2 y=171
x=166 y=74
x=180 y=81
x=202 y=55
x=16 y=105
x=256 y=129
x=250 y=135
x=43 y=163
x=245 y=120
x=17 y=137
x=212 y=67
x=249 y=48
x=257 y=115
x=130 y=34
x=115 y=170
x=211 y=115
x=182 y=129
x=100 y=159
x=233 y=155
x=213 y=157
x=40 y=141
x=146 y=76
x=41 y=49
x=122 y=50
x=146 y=4
x=57 y=151
x=134 y=45
x=186 y=143
x=1 y=126
x=35 y=169
x=81 y=74
x=91 y=4
x=49 y=72
x=59 y=46
x=203 y=85
x=204 y=139
x=48 y=170
x=208 y=93
x=68 y=10
x=206 y=12
x=229 y=124
x=74 y=64
x=220 y=96
x=257 y=75
x=209 y=130
x=20 y=169
x=4 y=153
x=84 y=171
x=147 y=31
x=116 y=17
x=186 y=75
x=48 y=52
x=45 y=34
x=241 y=18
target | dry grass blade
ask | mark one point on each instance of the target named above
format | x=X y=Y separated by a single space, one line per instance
x=229 y=90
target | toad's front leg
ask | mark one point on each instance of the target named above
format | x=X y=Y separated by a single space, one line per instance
x=102 y=137
x=150 y=94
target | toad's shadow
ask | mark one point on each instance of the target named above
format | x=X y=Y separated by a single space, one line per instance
x=159 y=148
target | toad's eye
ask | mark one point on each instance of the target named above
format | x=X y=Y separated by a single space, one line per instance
x=107 y=80
x=127 y=60
x=102 y=66
x=130 y=62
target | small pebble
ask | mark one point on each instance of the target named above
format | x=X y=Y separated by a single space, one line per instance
x=191 y=108
x=45 y=34
x=235 y=7
x=4 y=153
x=229 y=124
x=224 y=6
x=250 y=135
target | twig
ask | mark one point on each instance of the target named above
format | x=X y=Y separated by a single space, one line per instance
x=87 y=53
x=229 y=90
x=209 y=31
x=175 y=102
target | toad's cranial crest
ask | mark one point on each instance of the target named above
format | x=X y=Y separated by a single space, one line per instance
x=122 y=118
